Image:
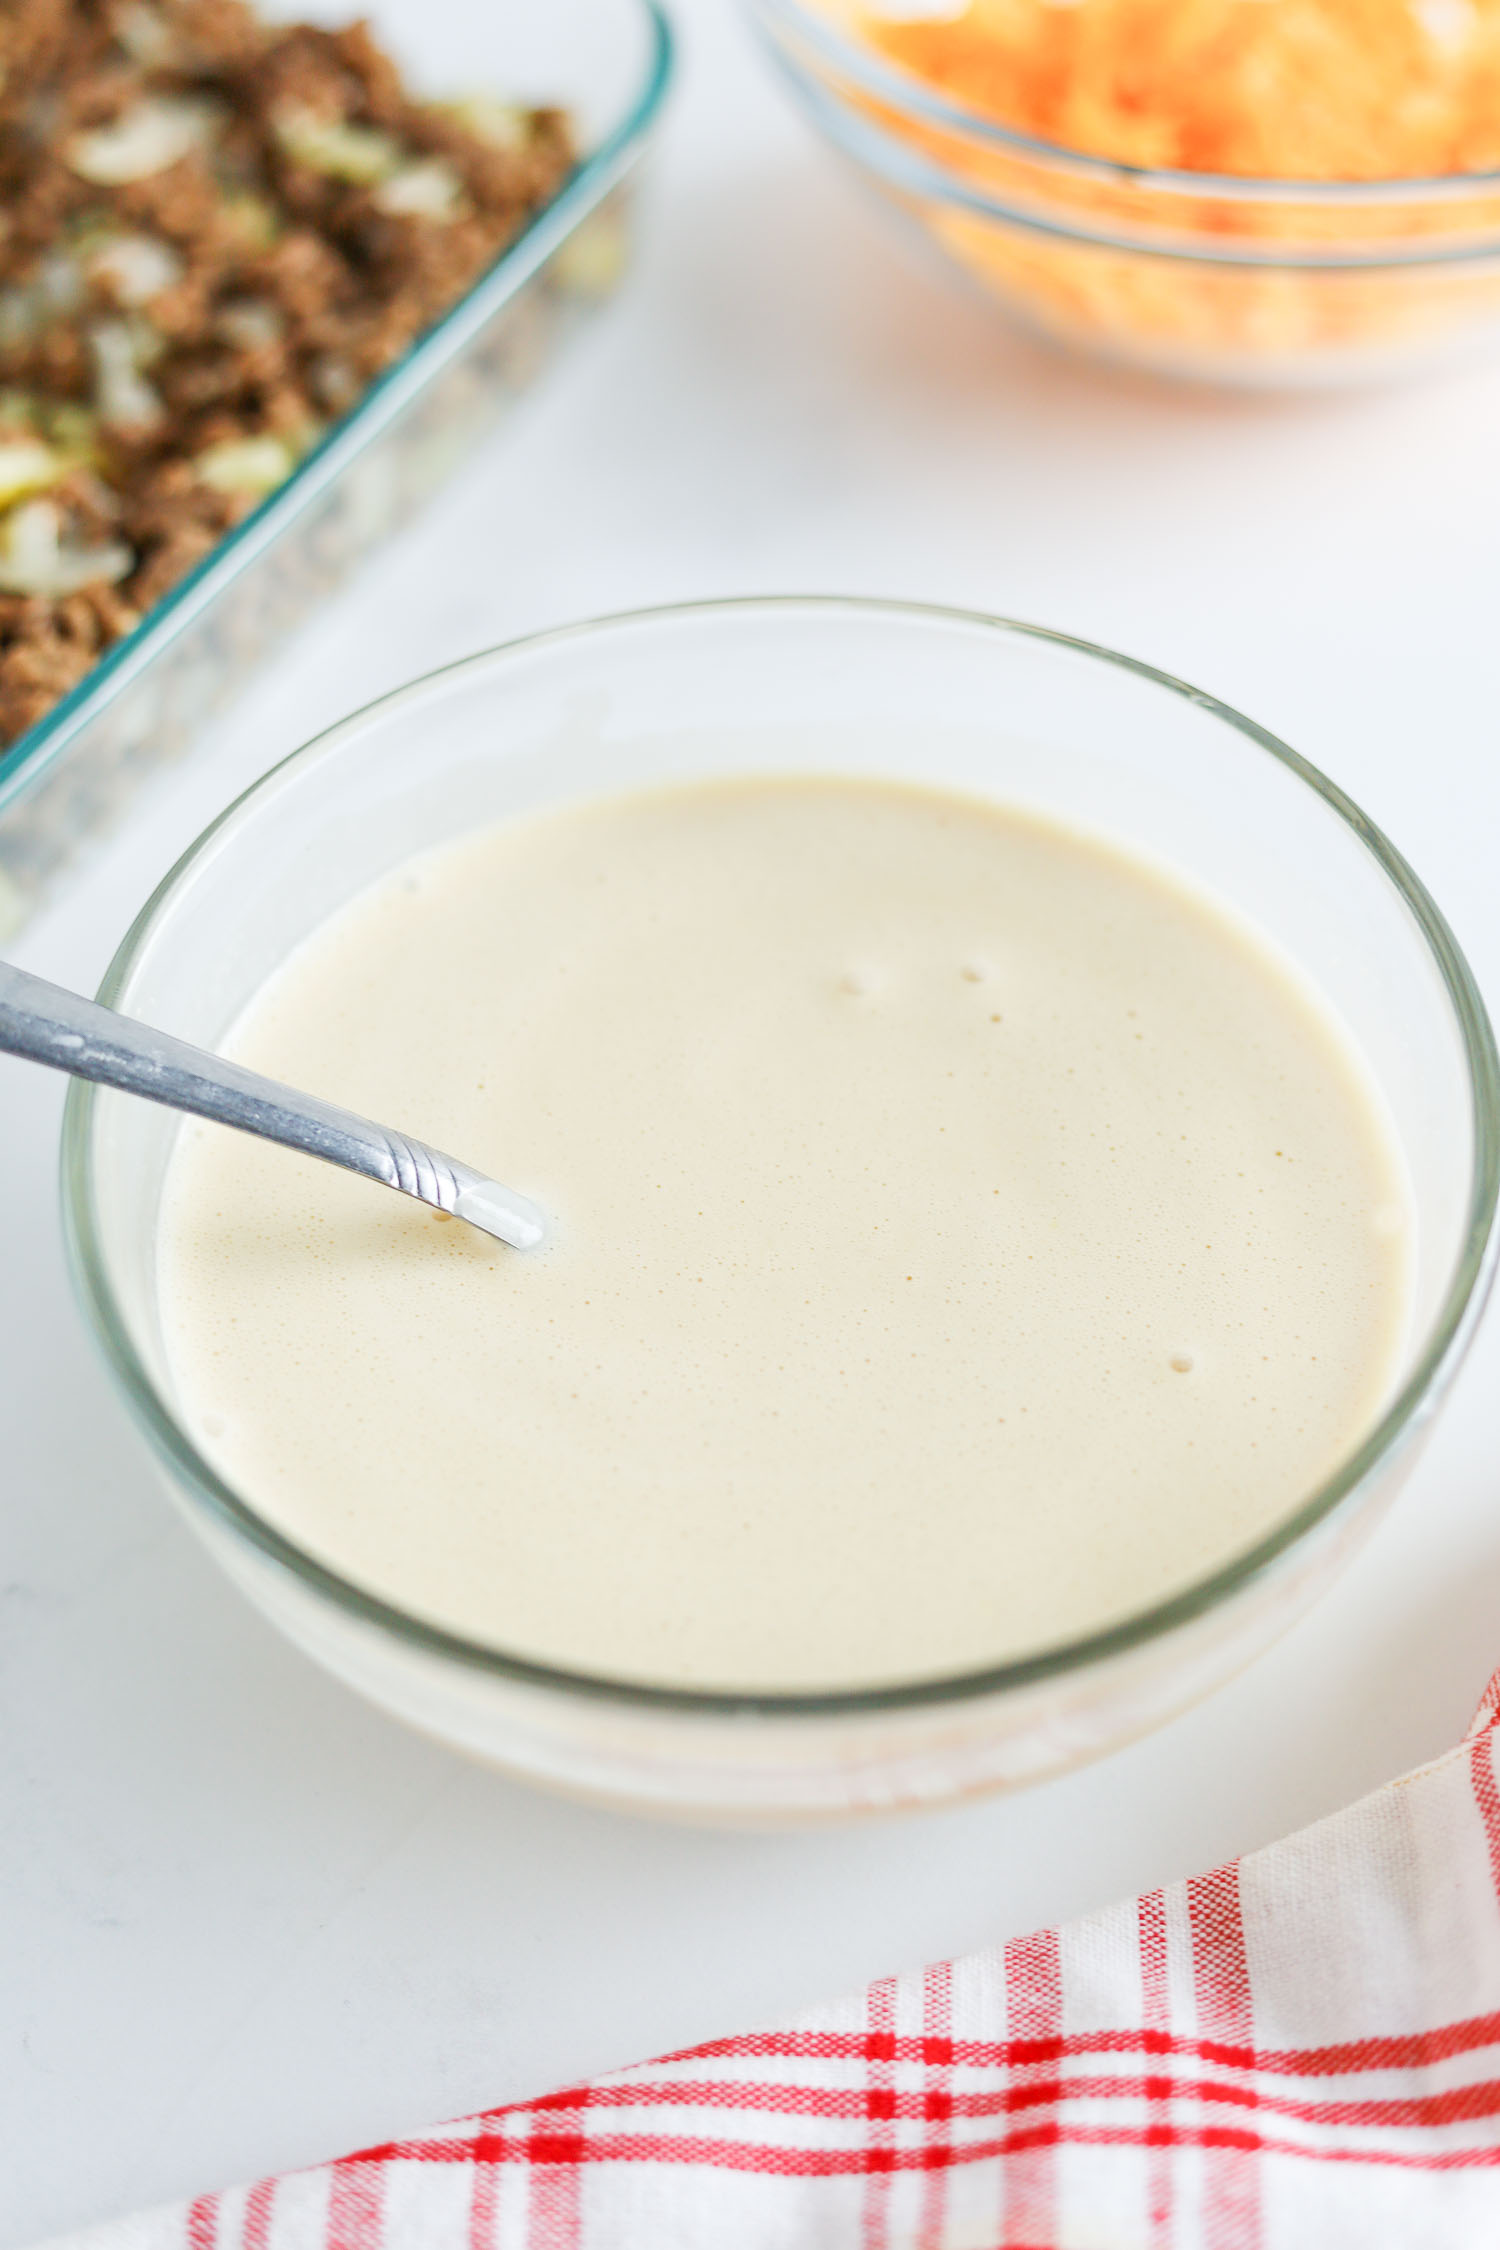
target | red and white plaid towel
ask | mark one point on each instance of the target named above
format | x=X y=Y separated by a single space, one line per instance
x=1300 y=2051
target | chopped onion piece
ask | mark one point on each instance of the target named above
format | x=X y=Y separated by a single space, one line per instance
x=137 y=267
x=252 y=218
x=125 y=400
x=253 y=466
x=488 y=118
x=421 y=191
x=35 y=560
x=159 y=130
x=357 y=153
x=58 y=284
x=252 y=324
x=26 y=465
x=146 y=37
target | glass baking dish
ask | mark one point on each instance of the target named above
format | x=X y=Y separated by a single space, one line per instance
x=607 y=62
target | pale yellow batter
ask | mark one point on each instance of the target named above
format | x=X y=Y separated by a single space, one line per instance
x=963 y=1236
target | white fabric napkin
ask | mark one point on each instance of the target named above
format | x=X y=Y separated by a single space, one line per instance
x=1298 y=2051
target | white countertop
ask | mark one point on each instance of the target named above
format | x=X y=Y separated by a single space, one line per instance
x=247 y=1922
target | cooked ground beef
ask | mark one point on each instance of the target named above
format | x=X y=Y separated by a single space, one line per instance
x=214 y=232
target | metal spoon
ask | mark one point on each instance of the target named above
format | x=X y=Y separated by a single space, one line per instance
x=48 y=1025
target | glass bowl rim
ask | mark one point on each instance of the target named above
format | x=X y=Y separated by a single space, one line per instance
x=1437 y=1362
x=925 y=102
x=896 y=164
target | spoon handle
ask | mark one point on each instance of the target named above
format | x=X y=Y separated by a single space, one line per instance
x=46 y=1024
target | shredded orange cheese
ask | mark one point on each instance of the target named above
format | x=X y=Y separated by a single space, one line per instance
x=1319 y=90
x=1274 y=89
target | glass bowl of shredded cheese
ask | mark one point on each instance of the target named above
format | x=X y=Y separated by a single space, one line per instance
x=1247 y=191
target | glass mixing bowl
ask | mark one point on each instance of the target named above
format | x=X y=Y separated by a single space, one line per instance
x=973 y=702
x=1203 y=275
